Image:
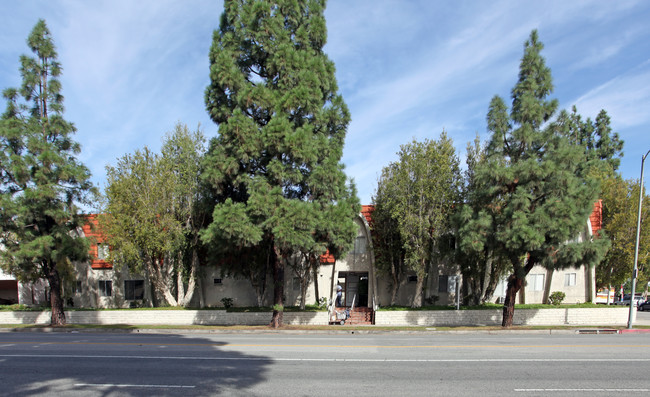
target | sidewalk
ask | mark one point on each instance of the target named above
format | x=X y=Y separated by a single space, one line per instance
x=333 y=331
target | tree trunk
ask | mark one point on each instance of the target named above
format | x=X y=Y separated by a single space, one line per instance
x=491 y=288
x=56 y=300
x=160 y=281
x=395 y=272
x=417 y=298
x=303 y=294
x=332 y=283
x=191 y=283
x=258 y=282
x=316 y=286
x=487 y=278
x=514 y=285
x=278 y=289
x=394 y=289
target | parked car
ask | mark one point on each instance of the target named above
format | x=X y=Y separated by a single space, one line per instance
x=644 y=305
x=626 y=300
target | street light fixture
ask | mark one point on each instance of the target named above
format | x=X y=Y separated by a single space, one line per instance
x=630 y=320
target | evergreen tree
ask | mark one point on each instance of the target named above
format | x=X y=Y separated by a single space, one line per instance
x=275 y=166
x=603 y=148
x=41 y=181
x=481 y=268
x=537 y=194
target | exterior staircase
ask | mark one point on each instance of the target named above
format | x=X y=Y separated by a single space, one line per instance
x=361 y=316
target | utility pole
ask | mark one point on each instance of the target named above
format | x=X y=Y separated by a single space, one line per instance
x=630 y=320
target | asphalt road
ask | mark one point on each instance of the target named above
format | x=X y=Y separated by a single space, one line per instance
x=433 y=364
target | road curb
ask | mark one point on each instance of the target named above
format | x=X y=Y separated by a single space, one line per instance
x=634 y=331
x=428 y=331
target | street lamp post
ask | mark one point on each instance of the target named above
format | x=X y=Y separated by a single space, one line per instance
x=630 y=320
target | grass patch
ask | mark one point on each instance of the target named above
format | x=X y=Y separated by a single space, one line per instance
x=493 y=306
x=22 y=308
x=254 y=309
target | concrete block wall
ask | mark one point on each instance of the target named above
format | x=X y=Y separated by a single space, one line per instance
x=171 y=317
x=546 y=317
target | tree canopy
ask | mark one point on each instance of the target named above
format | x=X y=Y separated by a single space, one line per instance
x=415 y=198
x=481 y=268
x=537 y=192
x=42 y=184
x=154 y=213
x=275 y=166
x=620 y=210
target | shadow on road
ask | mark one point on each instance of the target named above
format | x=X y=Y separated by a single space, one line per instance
x=35 y=364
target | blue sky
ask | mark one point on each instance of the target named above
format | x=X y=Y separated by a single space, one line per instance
x=406 y=69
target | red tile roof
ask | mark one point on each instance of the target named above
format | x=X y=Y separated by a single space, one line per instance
x=366 y=211
x=596 y=217
x=91 y=229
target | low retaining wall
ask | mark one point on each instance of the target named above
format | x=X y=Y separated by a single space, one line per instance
x=171 y=317
x=547 y=317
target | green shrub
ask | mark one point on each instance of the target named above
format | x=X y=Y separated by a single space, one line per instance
x=227 y=302
x=556 y=298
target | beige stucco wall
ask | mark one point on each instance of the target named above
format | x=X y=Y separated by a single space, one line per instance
x=582 y=291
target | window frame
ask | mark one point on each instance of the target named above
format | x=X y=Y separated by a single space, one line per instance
x=534 y=283
x=570 y=279
x=103 y=251
x=130 y=287
x=76 y=287
x=443 y=286
x=105 y=288
x=360 y=245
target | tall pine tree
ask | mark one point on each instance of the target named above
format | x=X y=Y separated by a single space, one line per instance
x=41 y=181
x=535 y=188
x=275 y=165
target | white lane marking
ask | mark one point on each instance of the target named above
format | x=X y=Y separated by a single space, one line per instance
x=143 y=386
x=381 y=360
x=584 y=390
x=7 y=345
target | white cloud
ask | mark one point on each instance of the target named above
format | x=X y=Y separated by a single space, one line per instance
x=626 y=99
x=405 y=68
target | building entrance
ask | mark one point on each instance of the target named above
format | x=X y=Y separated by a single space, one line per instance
x=355 y=288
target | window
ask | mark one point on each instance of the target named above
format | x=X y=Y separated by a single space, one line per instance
x=536 y=282
x=218 y=281
x=133 y=289
x=360 y=245
x=412 y=279
x=102 y=251
x=76 y=287
x=570 y=279
x=105 y=287
x=443 y=283
x=296 y=283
